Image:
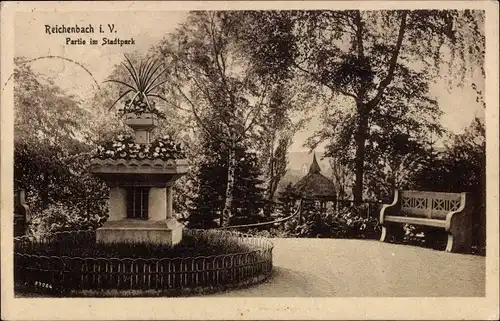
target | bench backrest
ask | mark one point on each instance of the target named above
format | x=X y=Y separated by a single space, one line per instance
x=433 y=205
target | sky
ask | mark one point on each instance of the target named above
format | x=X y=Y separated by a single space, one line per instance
x=147 y=29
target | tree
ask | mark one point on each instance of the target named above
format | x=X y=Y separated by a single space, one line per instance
x=460 y=168
x=275 y=133
x=287 y=198
x=393 y=159
x=51 y=147
x=209 y=200
x=340 y=176
x=44 y=112
x=381 y=61
x=49 y=134
x=212 y=80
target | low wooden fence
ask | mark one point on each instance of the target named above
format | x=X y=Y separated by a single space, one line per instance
x=60 y=274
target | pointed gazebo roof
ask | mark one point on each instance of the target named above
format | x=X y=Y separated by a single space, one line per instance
x=315 y=185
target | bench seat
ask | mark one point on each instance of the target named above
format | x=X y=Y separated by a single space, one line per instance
x=449 y=211
x=416 y=221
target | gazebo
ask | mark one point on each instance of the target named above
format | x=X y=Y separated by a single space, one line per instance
x=315 y=188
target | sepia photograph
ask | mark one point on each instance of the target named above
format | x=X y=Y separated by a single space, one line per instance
x=244 y=153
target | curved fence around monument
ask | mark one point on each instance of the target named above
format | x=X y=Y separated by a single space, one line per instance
x=63 y=274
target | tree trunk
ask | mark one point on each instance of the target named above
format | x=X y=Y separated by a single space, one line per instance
x=226 y=212
x=270 y=197
x=360 y=139
x=270 y=187
x=44 y=192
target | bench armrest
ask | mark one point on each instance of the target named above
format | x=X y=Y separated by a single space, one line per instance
x=454 y=215
x=388 y=209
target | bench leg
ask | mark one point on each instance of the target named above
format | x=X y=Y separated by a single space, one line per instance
x=455 y=244
x=459 y=235
x=450 y=245
x=458 y=243
x=383 y=237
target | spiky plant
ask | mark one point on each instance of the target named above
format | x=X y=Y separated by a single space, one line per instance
x=145 y=80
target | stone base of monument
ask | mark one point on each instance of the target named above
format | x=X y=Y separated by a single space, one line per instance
x=167 y=232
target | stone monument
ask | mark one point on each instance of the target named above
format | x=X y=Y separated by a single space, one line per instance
x=141 y=175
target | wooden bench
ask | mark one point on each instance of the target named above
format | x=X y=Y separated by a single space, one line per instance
x=449 y=211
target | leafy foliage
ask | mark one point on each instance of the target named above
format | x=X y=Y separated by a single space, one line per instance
x=84 y=245
x=335 y=224
x=461 y=168
x=286 y=199
x=275 y=131
x=211 y=78
x=52 y=146
x=380 y=61
x=242 y=79
x=392 y=162
x=341 y=177
x=81 y=214
x=209 y=200
x=144 y=81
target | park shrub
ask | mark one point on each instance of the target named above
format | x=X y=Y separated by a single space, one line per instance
x=344 y=223
x=268 y=232
x=355 y=224
x=83 y=244
x=61 y=216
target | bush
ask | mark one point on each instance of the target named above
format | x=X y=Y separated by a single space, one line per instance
x=345 y=223
x=350 y=224
x=270 y=232
x=83 y=244
x=64 y=217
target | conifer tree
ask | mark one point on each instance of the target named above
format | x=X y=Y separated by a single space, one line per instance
x=208 y=204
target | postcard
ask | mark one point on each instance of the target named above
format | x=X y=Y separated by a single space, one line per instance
x=249 y=160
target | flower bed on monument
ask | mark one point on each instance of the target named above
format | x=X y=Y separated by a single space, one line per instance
x=124 y=147
x=73 y=264
x=140 y=107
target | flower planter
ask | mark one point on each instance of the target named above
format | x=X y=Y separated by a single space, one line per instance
x=162 y=149
x=142 y=121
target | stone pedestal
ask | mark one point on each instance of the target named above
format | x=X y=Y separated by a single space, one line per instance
x=160 y=227
x=168 y=232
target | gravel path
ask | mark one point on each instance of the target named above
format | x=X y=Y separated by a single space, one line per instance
x=366 y=268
